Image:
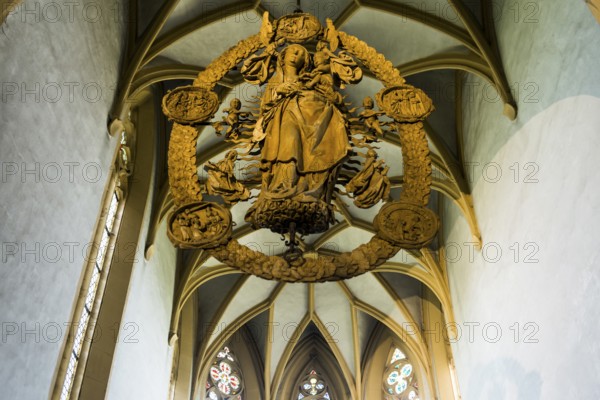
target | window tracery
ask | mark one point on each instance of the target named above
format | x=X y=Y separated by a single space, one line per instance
x=225 y=380
x=399 y=380
x=313 y=387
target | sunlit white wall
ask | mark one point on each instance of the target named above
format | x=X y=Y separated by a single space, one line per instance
x=59 y=70
x=527 y=304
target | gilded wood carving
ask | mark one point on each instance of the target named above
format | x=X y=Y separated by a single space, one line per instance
x=304 y=142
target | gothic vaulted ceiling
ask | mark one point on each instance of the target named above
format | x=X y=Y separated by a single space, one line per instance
x=436 y=45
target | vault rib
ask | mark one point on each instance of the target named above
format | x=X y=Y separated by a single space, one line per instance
x=187 y=28
x=137 y=60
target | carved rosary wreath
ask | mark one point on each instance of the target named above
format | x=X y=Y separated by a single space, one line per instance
x=302 y=140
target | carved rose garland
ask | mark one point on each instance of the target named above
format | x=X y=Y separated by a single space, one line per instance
x=304 y=142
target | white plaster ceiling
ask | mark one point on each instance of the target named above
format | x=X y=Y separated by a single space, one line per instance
x=190 y=10
x=202 y=46
x=396 y=36
x=320 y=9
x=441 y=8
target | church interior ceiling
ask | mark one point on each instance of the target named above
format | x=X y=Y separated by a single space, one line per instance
x=436 y=46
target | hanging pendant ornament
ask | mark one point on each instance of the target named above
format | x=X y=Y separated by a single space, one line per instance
x=305 y=142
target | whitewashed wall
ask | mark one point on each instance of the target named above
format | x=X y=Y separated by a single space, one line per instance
x=527 y=305
x=141 y=366
x=58 y=69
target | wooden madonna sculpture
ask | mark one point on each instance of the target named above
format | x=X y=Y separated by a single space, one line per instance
x=304 y=140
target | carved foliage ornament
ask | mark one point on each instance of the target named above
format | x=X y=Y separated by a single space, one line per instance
x=305 y=146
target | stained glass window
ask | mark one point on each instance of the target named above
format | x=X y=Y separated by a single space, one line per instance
x=313 y=387
x=224 y=378
x=399 y=380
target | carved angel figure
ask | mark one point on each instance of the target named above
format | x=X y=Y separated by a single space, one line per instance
x=221 y=180
x=370 y=116
x=234 y=121
x=371 y=184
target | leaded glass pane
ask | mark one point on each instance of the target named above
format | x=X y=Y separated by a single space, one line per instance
x=80 y=333
x=399 y=380
x=398 y=355
x=224 y=378
x=102 y=248
x=112 y=212
x=69 y=378
x=313 y=387
x=91 y=294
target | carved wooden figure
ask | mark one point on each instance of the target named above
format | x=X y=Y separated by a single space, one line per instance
x=235 y=121
x=305 y=139
x=370 y=118
x=371 y=184
x=222 y=182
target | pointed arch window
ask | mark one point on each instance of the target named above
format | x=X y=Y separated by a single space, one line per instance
x=225 y=381
x=313 y=387
x=399 y=380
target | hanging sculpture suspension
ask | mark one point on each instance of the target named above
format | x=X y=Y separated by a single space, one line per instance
x=304 y=140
